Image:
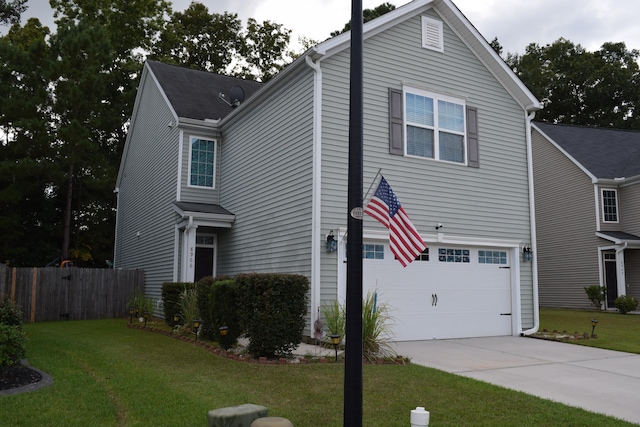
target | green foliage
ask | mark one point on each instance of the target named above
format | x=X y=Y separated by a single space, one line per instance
x=188 y=305
x=368 y=15
x=581 y=87
x=597 y=295
x=10 y=312
x=273 y=310
x=10 y=11
x=171 y=294
x=217 y=299
x=140 y=304
x=625 y=303
x=376 y=330
x=335 y=318
x=12 y=338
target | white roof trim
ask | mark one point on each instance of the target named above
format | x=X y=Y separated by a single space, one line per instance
x=460 y=25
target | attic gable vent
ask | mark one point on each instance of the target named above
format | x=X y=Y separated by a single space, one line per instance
x=432 y=37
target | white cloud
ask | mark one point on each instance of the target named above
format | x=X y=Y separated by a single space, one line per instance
x=516 y=23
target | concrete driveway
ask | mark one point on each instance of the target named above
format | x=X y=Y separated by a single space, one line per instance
x=602 y=381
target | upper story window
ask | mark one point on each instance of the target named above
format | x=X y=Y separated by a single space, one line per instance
x=432 y=34
x=435 y=126
x=610 y=205
x=202 y=162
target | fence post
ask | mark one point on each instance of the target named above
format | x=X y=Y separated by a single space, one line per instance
x=34 y=282
x=14 y=272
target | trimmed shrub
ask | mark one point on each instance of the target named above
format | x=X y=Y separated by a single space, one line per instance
x=625 y=303
x=171 y=295
x=12 y=338
x=273 y=308
x=218 y=299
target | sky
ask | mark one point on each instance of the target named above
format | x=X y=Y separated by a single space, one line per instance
x=516 y=23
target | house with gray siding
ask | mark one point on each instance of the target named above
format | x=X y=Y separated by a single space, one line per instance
x=213 y=186
x=587 y=186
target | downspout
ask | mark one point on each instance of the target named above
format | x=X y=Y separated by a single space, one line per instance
x=534 y=246
x=316 y=203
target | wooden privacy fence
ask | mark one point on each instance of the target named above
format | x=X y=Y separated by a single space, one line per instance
x=70 y=293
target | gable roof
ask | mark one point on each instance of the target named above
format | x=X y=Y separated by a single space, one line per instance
x=460 y=25
x=195 y=94
x=603 y=153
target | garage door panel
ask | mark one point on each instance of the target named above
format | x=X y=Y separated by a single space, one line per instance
x=442 y=300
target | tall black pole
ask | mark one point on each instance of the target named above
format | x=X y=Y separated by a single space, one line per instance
x=353 y=345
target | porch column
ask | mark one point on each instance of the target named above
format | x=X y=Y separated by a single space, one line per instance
x=188 y=252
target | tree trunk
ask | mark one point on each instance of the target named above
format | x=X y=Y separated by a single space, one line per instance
x=66 y=234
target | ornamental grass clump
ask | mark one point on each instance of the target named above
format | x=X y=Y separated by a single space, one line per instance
x=12 y=338
x=376 y=329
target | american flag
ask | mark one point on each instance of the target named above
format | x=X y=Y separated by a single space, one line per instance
x=405 y=241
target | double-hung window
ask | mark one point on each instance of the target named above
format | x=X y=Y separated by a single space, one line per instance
x=609 y=205
x=202 y=163
x=435 y=126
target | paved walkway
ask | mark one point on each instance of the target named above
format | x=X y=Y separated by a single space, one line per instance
x=597 y=380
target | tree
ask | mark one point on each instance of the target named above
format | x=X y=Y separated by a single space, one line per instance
x=263 y=50
x=29 y=223
x=368 y=15
x=580 y=87
x=197 y=39
x=217 y=43
x=11 y=10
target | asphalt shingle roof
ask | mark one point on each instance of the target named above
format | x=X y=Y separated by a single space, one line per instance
x=195 y=94
x=606 y=153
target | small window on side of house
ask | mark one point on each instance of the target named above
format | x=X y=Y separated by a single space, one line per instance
x=609 y=205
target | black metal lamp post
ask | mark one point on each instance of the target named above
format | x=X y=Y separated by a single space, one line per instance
x=335 y=340
x=224 y=330
x=131 y=314
x=594 y=323
x=196 y=326
x=176 y=318
x=145 y=314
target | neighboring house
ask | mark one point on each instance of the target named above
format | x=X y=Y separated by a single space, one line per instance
x=587 y=212
x=205 y=188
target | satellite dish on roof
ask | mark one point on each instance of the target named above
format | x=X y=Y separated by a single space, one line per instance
x=237 y=97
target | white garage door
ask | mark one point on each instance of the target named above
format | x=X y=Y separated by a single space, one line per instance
x=451 y=292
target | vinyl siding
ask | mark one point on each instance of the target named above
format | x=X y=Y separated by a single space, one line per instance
x=266 y=180
x=629 y=204
x=632 y=272
x=566 y=226
x=147 y=191
x=487 y=202
x=629 y=207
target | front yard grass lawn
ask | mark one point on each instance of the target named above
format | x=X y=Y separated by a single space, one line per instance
x=106 y=374
x=614 y=331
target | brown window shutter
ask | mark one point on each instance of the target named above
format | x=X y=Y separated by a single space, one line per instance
x=472 y=137
x=396 y=127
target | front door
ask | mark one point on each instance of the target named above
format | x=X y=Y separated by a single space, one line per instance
x=611 y=278
x=204 y=263
x=205 y=256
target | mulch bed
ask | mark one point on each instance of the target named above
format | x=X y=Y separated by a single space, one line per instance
x=18 y=376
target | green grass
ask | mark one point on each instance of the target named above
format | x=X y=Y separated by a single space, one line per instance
x=108 y=375
x=615 y=331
